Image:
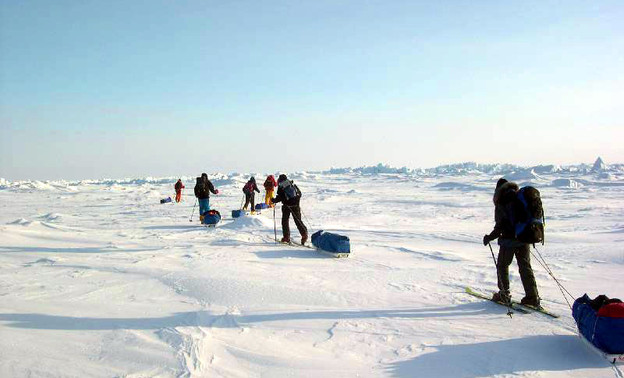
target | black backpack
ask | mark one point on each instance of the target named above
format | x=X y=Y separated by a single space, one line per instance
x=528 y=216
x=291 y=191
x=200 y=189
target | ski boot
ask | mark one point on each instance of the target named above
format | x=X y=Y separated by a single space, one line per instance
x=531 y=302
x=501 y=297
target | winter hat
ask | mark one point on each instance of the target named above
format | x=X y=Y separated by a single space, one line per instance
x=282 y=177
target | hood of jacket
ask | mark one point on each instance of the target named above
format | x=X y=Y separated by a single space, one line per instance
x=505 y=193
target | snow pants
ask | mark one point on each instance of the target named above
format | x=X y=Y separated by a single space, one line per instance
x=204 y=205
x=250 y=198
x=296 y=212
x=522 y=252
x=178 y=196
x=267 y=198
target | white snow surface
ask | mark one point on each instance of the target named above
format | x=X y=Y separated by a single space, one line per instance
x=98 y=279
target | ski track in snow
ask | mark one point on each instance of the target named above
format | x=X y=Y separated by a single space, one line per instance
x=99 y=279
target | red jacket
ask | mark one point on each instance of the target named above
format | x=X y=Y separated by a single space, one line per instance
x=270 y=183
x=179 y=186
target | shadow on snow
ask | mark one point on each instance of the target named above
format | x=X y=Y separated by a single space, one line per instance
x=207 y=319
x=502 y=357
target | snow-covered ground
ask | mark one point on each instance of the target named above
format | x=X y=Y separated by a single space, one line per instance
x=97 y=278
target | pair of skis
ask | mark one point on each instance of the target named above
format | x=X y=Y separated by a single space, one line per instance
x=513 y=306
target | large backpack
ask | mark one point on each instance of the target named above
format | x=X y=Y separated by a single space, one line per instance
x=200 y=189
x=248 y=188
x=290 y=190
x=528 y=216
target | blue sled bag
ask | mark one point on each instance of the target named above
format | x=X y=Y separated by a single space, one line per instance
x=605 y=333
x=212 y=217
x=331 y=242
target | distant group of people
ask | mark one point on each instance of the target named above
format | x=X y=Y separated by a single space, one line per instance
x=505 y=229
x=287 y=193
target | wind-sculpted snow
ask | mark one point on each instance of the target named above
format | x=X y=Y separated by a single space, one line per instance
x=99 y=279
x=566 y=183
x=599 y=172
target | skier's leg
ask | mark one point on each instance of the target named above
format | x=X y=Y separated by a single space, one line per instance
x=523 y=257
x=203 y=206
x=247 y=199
x=267 y=197
x=303 y=230
x=505 y=256
x=285 y=220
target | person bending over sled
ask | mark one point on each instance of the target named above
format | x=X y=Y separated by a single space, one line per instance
x=505 y=196
x=250 y=196
x=202 y=190
x=269 y=189
x=290 y=196
x=178 y=190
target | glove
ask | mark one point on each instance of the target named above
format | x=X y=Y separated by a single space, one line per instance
x=486 y=239
x=216 y=191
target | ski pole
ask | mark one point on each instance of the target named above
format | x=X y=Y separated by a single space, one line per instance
x=193 y=212
x=241 y=205
x=508 y=302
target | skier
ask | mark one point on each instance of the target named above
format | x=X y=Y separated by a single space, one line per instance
x=289 y=194
x=504 y=196
x=250 y=197
x=178 y=190
x=269 y=188
x=202 y=190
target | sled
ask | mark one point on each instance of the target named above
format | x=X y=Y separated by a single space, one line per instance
x=331 y=243
x=612 y=358
x=211 y=218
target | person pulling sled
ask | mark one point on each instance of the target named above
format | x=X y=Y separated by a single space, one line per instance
x=289 y=194
x=203 y=188
x=515 y=213
x=250 y=196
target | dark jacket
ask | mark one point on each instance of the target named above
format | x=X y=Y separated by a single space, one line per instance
x=503 y=204
x=281 y=195
x=203 y=188
x=250 y=187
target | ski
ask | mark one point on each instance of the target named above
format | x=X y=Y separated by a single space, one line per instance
x=538 y=309
x=515 y=305
x=332 y=254
x=489 y=298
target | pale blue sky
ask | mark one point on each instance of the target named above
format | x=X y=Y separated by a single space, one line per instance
x=92 y=89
